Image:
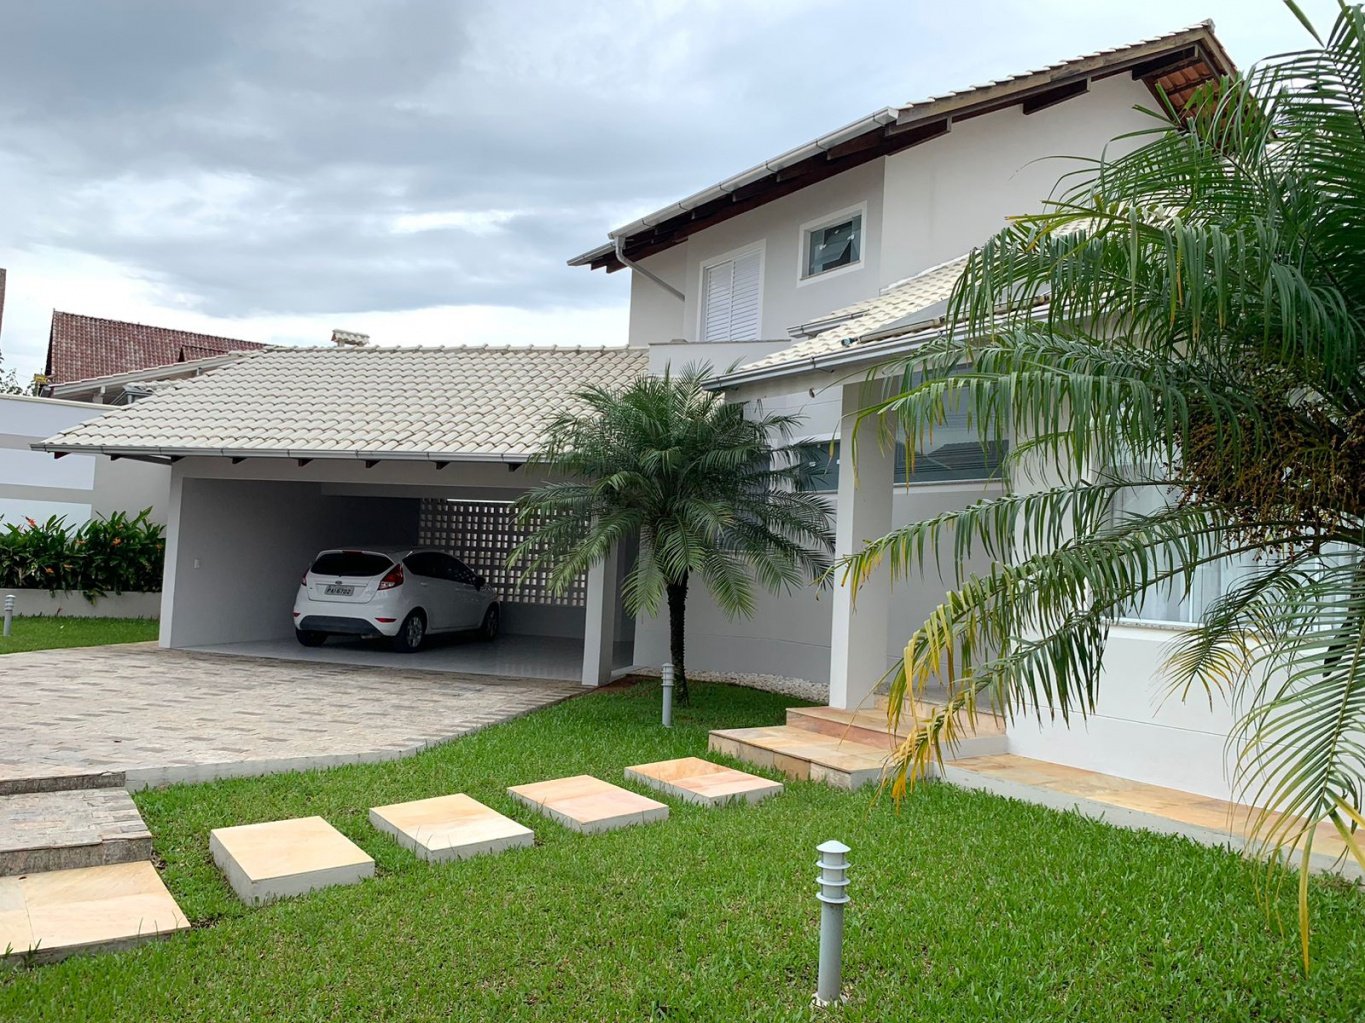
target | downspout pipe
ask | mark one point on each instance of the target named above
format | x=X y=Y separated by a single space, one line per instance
x=620 y=242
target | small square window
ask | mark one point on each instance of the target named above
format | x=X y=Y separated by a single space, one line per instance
x=834 y=245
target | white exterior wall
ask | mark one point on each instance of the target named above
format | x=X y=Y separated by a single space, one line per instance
x=78 y=487
x=949 y=194
x=658 y=316
x=790 y=633
x=1140 y=730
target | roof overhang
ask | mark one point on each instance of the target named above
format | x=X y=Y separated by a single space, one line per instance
x=174 y=454
x=1171 y=66
x=169 y=371
x=864 y=354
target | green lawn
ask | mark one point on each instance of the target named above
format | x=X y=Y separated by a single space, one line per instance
x=48 y=632
x=965 y=907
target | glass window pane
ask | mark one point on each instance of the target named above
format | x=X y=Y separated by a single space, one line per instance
x=834 y=246
x=825 y=475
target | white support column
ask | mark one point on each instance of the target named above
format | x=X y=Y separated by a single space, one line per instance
x=599 y=623
x=171 y=563
x=858 y=639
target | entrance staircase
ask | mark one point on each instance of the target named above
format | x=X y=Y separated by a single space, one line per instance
x=75 y=868
x=844 y=748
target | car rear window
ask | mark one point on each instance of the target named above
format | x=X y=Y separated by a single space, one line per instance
x=357 y=563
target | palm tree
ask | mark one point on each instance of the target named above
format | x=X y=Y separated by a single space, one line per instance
x=1185 y=320
x=709 y=492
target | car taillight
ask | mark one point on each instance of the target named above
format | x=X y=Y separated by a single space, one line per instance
x=393 y=578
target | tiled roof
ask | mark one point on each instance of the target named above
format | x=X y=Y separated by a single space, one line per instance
x=398 y=403
x=1096 y=58
x=924 y=294
x=81 y=347
x=1175 y=62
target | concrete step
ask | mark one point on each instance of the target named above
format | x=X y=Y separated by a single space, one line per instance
x=15 y=780
x=870 y=727
x=803 y=754
x=68 y=829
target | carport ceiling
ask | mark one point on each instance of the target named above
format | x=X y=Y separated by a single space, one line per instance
x=361 y=404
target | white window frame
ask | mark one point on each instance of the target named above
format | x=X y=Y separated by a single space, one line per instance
x=829 y=220
x=761 y=248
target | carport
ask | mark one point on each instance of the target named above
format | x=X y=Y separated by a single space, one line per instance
x=288 y=451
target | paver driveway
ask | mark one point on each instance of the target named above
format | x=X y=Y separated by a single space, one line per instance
x=161 y=716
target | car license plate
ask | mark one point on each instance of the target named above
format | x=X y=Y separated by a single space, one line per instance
x=339 y=591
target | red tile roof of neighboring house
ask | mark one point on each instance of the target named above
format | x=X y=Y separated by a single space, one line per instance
x=81 y=347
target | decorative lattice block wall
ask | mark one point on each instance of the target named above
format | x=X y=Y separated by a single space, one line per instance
x=482 y=534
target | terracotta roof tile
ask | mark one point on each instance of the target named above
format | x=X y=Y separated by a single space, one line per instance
x=81 y=347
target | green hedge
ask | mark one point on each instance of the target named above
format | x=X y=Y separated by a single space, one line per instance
x=114 y=555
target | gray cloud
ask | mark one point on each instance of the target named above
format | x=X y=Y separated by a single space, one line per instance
x=258 y=157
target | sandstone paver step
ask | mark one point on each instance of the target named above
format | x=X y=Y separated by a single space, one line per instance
x=52 y=914
x=451 y=827
x=589 y=804
x=803 y=754
x=67 y=829
x=1134 y=804
x=277 y=859
x=870 y=727
x=699 y=781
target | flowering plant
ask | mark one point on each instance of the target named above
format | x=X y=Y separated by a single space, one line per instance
x=104 y=555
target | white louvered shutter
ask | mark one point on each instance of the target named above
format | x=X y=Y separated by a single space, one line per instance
x=732 y=294
x=744 y=299
x=717 y=287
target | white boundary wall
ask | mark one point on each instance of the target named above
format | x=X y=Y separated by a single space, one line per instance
x=75 y=605
x=34 y=484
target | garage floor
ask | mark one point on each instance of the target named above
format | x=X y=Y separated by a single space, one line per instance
x=512 y=656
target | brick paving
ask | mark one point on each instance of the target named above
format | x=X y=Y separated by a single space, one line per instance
x=65 y=830
x=160 y=716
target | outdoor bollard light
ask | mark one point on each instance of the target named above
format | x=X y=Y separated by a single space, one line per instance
x=668 y=694
x=9 y=613
x=833 y=896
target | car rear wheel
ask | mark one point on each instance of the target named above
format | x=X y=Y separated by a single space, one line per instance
x=488 y=631
x=411 y=634
x=309 y=637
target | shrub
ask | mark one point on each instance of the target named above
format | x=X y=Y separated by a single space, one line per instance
x=104 y=555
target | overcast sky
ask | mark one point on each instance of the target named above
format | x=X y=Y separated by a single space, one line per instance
x=421 y=169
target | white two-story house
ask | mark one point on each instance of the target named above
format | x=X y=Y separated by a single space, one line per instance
x=794 y=279
x=797 y=276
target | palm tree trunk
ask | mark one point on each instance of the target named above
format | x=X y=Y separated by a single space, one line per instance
x=677 y=617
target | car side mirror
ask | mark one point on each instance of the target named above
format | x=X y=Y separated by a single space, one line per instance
x=480 y=582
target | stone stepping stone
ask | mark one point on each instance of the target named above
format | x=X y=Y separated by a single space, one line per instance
x=589 y=804
x=450 y=827
x=699 y=781
x=269 y=861
x=58 y=912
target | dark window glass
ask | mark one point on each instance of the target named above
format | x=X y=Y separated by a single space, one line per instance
x=951 y=462
x=837 y=245
x=351 y=563
x=456 y=570
x=425 y=563
x=824 y=477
